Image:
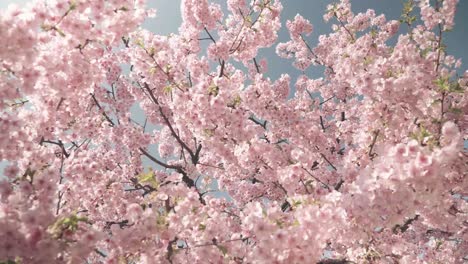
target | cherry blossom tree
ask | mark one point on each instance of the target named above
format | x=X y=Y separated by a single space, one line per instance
x=371 y=171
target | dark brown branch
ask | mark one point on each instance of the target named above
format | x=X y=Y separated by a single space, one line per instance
x=100 y=253
x=335 y=261
x=439 y=53
x=327 y=100
x=126 y=41
x=251 y=118
x=169 y=77
x=170 y=250
x=256 y=65
x=57 y=209
x=185 y=178
x=194 y=156
x=190 y=79
x=329 y=163
x=344 y=26
x=155 y=160
x=338 y=185
x=221 y=72
x=59 y=103
x=316 y=59
x=285 y=206
x=278 y=185
x=317 y=179
x=138 y=187
x=439 y=47
x=211 y=166
x=221 y=62
x=58 y=143
x=405 y=226
x=103 y=112
x=211 y=37
x=371 y=148
x=19 y=103
x=305 y=186
x=214 y=242
x=438 y=233
x=122 y=224
x=321 y=124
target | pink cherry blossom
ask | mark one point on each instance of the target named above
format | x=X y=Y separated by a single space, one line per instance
x=223 y=163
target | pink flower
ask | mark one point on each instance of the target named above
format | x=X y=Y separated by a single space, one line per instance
x=298 y=26
x=134 y=211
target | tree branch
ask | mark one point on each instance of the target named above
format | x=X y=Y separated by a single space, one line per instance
x=103 y=112
x=194 y=156
x=317 y=179
x=371 y=148
x=155 y=160
x=329 y=163
x=252 y=118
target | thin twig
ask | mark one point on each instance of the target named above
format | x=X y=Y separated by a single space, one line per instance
x=152 y=158
x=371 y=148
x=251 y=118
x=103 y=112
x=317 y=179
x=194 y=156
x=256 y=65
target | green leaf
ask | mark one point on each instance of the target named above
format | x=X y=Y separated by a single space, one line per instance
x=148 y=178
x=235 y=102
x=425 y=51
x=167 y=68
x=455 y=87
x=73 y=5
x=8 y=262
x=436 y=102
x=167 y=89
x=139 y=42
x=161 y=221
x=66 y=223
x=368 y=60
x=296 y=203
x=223 y=249
x=442 y=83
x=455 y=110
x=279 y=223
